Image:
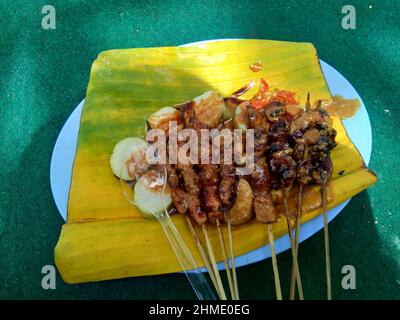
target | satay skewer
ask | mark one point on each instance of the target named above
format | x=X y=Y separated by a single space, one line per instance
x=283 y=167
x=213 y=262
x=326 y=230
x=204 y=256
x=294 y=252
x=181 y=197
x=299 y=215
x=232 y=255
x=326 y=240
x=296 y=241
x=225 y=256
x=278 y=289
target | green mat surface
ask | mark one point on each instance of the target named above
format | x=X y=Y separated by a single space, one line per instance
x=44 y=74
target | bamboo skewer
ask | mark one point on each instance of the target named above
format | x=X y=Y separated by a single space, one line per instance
x=213 y=262
x=296 y=240
x=298 y=218
x=224 y=254
x=274 y=262
x=326 y=238
x=203 y=256
x=326 y=230
x=230 y=240
x=294 y=253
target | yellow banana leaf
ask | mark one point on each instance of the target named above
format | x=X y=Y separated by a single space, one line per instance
x=105 y=237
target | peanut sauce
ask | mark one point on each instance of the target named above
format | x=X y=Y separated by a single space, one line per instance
x=341 y=107
x=311 y=199
x=137 y=164
x=256 y=67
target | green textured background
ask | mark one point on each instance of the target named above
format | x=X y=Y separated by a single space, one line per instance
x=44 y=74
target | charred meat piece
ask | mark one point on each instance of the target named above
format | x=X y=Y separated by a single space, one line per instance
x=304 y=171
x=323 y=170
x=179 y=200
x=280 y=147
x=191 y=181
x=278 y=131
x=184 y=202
x=326 y=142
x=260 y=177
x=316 y=118
x=227 y=184
x=173 y=177
x=281 y=163
x=211 y=199
x=300 y=152
x=260 y=183
x=193 y=204
x=260 y=142
x=257 y=118
x=209 y=181
x=314 y=137
x=208 y=175
x=284 y=168
x=188 y=200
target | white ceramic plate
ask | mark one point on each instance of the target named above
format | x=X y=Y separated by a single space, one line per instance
x=358 y=129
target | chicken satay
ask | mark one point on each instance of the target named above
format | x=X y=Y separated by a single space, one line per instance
x=190 y=180
x=264 y=208
x=227 y=175
x=209 y=181
x=184 y=201
x=258 y=122
x=314 y=137
x=257 y=118
x=173 y=177
x=284 y=167
x=226 y=188
x=281 y=163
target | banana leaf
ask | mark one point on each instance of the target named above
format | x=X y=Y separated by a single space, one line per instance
x=105 y=237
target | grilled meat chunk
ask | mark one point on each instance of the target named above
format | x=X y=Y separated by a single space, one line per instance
x=260 y=142
x=227 y=184
x=264 y=208
x=208 y=175
x=260 y=178
x=185 y=202
x=191 y=181
x=242 y=210
x=284 y=168
x=211 y=199
x=173 y=177
x=209 y=181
